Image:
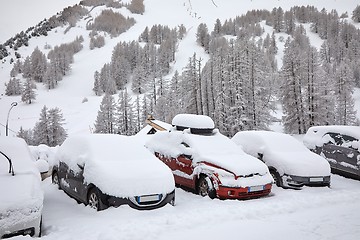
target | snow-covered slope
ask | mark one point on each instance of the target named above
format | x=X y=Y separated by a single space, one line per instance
x=77 y=85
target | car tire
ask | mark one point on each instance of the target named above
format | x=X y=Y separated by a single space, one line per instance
x=94 y=199
x=276 y=177
x=204 y=189
x=55 y=179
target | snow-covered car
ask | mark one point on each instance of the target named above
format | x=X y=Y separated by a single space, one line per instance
x=290 y=163
x=21 y=195
x=207 y=162
x=102 y=170
x=340 y=145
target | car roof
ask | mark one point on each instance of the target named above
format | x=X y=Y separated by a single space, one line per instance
x=314 y=135
x=18 y=151
x=254 y=142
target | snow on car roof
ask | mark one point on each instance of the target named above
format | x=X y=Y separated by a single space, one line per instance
x=19 y=153
x=314 y=135
x=118 y=165
x=254 y=142
x=282 y=151
x=193 y=121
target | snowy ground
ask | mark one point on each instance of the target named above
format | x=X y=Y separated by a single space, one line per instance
x=310 y=213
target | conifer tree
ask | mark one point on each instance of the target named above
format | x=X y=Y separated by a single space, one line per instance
x=49 y=129
x=125 y=115
x=13 y=87
x=105 y=120
x=28 y=94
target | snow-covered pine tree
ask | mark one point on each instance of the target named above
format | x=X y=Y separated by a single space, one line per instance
x=356 y=14
x=57 y=132
x=27 y=135
x=13 y=87
x=203 y=36
x=97 y=84
x=28 y=93
x=344 y=88
x=291 y=89
x=49 y=129
x=105 y=120
x=38 y=65
x=125 y=122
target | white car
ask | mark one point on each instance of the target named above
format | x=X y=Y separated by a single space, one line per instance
x=290 y=162
x=209 y=163
x=21 y=196
x=103 y=170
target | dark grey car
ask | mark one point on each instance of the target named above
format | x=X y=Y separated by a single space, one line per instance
x=339 y=145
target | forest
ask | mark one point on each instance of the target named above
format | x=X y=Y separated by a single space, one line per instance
x=238 y=87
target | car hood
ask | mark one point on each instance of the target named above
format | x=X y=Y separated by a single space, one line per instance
x=304 y=164
x=240 y=165
x=131 y=178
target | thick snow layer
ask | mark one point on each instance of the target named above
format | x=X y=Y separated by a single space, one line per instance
x=315 y=136
x=313 y=213
x=21 y=196
x=118 y=165
x=215 y=149
x=193 y=121
x=283 y=152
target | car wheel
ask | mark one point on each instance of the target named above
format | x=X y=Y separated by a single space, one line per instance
x=276 y=177
x=94 y=199
x=204 y=189
x=55 y=179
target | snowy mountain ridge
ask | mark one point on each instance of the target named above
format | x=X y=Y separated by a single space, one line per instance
x=74 y=94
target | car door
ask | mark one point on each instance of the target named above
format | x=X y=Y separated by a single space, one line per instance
x=63 y=173
x=184 y=165
x=340 y=153
x=77 y=185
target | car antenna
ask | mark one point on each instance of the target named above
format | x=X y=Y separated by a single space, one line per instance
x=11 y=166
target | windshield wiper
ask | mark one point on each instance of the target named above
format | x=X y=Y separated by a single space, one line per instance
x=11 y=167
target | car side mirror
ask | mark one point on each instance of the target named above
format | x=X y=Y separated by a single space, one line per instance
x=188 y=156
x=355 y=145
x=42 y=165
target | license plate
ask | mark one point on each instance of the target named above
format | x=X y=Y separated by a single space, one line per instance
x=316 y=179
x=150 y=198
x=256 y=188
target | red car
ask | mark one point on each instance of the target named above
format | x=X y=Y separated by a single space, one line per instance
x=208 y=162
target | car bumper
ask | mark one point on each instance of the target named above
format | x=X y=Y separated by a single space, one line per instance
x=28 y=225
x=135 y=202
x=224 y=192
x=298 y=181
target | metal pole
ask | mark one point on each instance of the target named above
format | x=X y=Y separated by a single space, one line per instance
x=13 y=104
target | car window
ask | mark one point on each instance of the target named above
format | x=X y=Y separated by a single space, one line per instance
x=340 y=139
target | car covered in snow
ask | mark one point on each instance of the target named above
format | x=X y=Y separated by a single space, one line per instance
x=103 y=170
x=291 y=164
x=21 y=196
x=340 y=145
x=207 y=162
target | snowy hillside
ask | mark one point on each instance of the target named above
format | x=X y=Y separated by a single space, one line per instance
x=77 y=85
x=314 y=213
